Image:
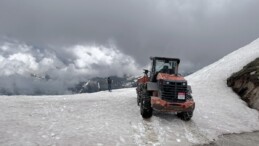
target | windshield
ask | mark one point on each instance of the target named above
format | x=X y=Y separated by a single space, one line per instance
x=166 y=66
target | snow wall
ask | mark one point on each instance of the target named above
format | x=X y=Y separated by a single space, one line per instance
x=218 y=109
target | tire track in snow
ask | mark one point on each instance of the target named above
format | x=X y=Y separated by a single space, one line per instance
x=193 y=134
x=144 y=134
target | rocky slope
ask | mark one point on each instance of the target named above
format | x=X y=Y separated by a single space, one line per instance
x=246 y=83
x=100 y=84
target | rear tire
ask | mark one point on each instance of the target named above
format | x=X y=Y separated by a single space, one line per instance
x=185 y=116
x=145 y=109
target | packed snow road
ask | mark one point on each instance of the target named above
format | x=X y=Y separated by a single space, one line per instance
x=89 y=119
x=102 y=118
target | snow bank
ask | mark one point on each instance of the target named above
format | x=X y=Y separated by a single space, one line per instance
x=218 y=109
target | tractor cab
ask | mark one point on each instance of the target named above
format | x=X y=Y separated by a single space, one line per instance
x=163 y=65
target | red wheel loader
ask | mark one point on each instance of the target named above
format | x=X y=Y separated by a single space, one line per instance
x=163 y=89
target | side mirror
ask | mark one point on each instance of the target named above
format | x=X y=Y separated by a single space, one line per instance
x=145 y=71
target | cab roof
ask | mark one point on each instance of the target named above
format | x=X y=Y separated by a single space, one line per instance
x=165 y=58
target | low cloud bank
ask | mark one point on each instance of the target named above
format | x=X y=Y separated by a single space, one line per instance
x=25 y=69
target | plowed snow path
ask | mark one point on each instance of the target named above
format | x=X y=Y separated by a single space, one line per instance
x=89 y=119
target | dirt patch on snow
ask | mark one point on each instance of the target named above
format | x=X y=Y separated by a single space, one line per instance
x=243 y=139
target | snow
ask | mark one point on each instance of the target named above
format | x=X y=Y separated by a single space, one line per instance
x=218 y=109
x=252 y=73
x=113 y=118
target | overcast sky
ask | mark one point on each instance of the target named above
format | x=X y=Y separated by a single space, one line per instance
x=199 y=32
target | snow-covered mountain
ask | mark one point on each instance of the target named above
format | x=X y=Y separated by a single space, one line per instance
x=105 y=118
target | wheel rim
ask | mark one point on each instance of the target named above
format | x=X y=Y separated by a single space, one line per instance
x=187 y=115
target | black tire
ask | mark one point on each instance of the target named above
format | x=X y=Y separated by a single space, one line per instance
x=145 y=109
x=185 y=116
x=138 y=100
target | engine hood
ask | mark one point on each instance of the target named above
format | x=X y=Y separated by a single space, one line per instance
x=164 y=76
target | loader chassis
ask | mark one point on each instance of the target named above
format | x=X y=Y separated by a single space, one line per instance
x=164 y=90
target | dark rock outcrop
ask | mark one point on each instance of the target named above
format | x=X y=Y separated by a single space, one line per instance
x=246 y=83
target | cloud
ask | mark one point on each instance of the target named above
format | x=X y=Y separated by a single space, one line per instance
x=98 y=59
x=23 y=68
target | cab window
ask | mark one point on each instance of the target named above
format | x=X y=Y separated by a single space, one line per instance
x=166 y=66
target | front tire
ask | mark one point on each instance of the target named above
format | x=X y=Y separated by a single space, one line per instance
x=145 y=109
x=185 y=116
x=138 y=100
